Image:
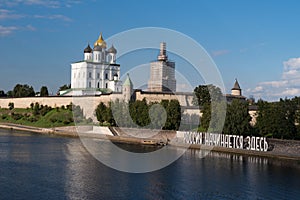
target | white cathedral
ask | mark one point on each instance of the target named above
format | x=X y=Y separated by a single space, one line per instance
x=97 y=73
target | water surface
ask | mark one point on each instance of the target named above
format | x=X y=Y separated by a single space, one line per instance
x=33 y=166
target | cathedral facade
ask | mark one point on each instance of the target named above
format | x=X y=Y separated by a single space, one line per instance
x=97 y=73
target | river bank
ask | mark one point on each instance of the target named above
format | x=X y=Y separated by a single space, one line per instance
x=283 y=149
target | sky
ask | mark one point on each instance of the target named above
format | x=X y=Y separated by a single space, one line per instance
x=255 y=41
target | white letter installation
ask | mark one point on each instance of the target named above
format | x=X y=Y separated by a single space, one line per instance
x=229 y=141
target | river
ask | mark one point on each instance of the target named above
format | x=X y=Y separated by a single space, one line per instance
x=34 y=166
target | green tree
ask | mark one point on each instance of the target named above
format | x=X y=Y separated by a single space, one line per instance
x=101 y=112
x=276 y=119
x=23 y=91
x=121 y=115
x=64 y=87
x=10 y=94
x=173 y=115
x=237 y=121
x=296 y=101
x=204 y=94
x=77 y=114
x=139 y=112
x=2 y=93
x=158 y=115
x=44 y=91
x=212 y=119
x=36 y=109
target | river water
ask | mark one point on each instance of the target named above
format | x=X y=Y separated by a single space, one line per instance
x=42 y=167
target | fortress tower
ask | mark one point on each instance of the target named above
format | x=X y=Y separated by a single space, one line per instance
x=162 y=73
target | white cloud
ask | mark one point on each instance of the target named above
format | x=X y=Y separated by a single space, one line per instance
x=45 y=3
x=220 y=52
x=7 y=30
x=8 y=14
x=30 y=28
x=287 y=86
x=53 y=17
x=258 y=89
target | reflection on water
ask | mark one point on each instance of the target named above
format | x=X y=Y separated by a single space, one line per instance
x=42 y=167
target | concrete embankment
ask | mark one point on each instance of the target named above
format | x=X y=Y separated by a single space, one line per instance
x=82 y=131
x=285 y=149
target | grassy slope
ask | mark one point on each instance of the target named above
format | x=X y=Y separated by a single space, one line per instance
x=53 y=118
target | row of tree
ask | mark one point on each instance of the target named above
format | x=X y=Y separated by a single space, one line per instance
x=273 y=119
x=27 y=91
x=163 y=115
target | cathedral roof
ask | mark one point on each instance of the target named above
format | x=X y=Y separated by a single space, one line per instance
x=127 y=82
x=88 y=49
x=97 y=48
x=236 y=85
x=112 y=49
x=100 y=42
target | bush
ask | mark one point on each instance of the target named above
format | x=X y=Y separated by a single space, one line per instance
x=70 y=106
x=16 y=116
x=4 y=116
x=36 y=109
x=11 y=105
x=44 y=110
x=32 y=119
x=53 y=119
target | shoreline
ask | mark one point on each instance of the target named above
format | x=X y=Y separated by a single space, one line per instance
x=72 y=133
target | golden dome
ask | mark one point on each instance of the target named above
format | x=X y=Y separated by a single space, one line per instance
x=100 y=42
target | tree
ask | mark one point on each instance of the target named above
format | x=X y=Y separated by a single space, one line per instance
x=296 y=101
x=64 y=87
x=44 y=91
x=121 y=115
x=158 y=115
x=276 y=119
x=2 y=93
x=139 y=112
x=212 y=119
x=23 y=91
x=237 y=121
x=173 y=115
x=78 y=114
x=101 y=112
x=204 y=94
x=10 y=94
x=11 y=105
x=36 y=109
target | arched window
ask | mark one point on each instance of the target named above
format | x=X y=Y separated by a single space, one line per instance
x=90 y=84
x=98 y=85
x=106 y=85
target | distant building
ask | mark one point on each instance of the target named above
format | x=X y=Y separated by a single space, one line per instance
x=162 y=73
x=97 y=73
x=236 y=93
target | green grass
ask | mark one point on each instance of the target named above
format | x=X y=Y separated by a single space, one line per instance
x=53 y=118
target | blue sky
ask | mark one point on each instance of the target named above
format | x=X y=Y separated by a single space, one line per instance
x=256 y=42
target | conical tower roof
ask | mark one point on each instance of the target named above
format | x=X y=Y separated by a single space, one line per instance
x=128 y=81
x=236 y=85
